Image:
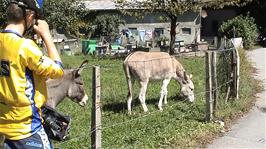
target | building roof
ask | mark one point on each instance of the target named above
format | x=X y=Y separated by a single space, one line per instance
x=111 y=5
x=100 y=4
x=107 y=4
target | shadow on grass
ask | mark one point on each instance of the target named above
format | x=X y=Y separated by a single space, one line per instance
x=119 y=107
x=191 y=111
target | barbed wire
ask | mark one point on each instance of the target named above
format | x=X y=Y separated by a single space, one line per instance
x=89 y=66
x=138 y=118
x=87 y=133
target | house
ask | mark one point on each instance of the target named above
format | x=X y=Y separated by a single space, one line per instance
x=151 y=29
x=64 y=44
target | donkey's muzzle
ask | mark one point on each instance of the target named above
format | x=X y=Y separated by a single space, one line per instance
x=191 y=98
x=83 y=101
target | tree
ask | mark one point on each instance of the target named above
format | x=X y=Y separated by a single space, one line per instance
x=173 y=8
x=107 y=25
x=240 y=26
x=67 y=15
x=3 y=5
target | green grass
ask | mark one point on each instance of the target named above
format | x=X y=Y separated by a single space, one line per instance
x=180 y=125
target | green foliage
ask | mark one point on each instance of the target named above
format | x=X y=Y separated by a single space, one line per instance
x=3 y=6
x=67 y=15
x=241 y=26
x=107 y=25
x=219 y=4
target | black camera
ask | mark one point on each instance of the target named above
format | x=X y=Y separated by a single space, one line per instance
x=56 y=125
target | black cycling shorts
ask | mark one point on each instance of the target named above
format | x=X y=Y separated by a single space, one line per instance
x=37 y=141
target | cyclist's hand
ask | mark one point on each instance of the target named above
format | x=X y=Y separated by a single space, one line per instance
x=42 y=29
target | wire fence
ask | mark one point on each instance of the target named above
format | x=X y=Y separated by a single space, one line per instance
x=114 y=91
x=142 y=117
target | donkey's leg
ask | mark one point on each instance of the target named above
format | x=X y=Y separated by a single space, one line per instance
x=129 y=100
x=130 y=96
x=142 y=93
x=166 y=90
x=163 y=94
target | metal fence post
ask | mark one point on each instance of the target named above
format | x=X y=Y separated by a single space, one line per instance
x=96 y=110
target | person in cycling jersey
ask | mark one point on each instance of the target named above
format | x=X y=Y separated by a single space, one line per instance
x=23 y=72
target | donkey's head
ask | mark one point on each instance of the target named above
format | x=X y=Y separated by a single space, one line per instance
x=187 y=87
x=76 y=91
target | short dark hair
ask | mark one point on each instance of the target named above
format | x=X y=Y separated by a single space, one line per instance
x=15 y=13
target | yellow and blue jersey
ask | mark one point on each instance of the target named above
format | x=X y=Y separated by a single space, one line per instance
x=23 y=72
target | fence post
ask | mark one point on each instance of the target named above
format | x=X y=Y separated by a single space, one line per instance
x=235 y=71
x=208 y=94
x=238 y=74
x=214 y=80
x=96 y=110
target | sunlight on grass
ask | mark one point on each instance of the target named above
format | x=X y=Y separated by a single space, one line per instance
x=181 y=124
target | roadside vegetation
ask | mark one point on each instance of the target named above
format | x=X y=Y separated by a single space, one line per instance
x=180 y=125
x=241 y=26
x=248 y=88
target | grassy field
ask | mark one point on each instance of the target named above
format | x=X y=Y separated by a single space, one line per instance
x=180 y=125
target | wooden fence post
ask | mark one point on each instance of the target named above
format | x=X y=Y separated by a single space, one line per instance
x=214 y=80
x=96 y=110
x=236 y=72
x=208 y=94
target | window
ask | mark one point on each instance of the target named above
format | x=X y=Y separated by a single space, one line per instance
x=134 y=31
x=158 y=32
x=186 y=31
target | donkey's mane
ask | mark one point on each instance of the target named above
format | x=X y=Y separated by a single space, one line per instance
x=54 y=83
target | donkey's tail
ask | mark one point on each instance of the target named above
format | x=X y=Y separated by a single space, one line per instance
x=128 y=78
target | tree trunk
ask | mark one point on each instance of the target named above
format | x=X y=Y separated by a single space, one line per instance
x=172 y=34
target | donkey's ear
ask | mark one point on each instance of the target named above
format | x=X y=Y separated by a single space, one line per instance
x=83 y=64
x=81 y=67
x=185 y=76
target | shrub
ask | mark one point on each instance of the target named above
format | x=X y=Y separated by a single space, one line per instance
x=245 y=27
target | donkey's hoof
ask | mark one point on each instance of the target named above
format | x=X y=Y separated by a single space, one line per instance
x=160 y=108
x=146 y=112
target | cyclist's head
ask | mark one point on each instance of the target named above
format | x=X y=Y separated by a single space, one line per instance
x=35 y=5
x=18 y=9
